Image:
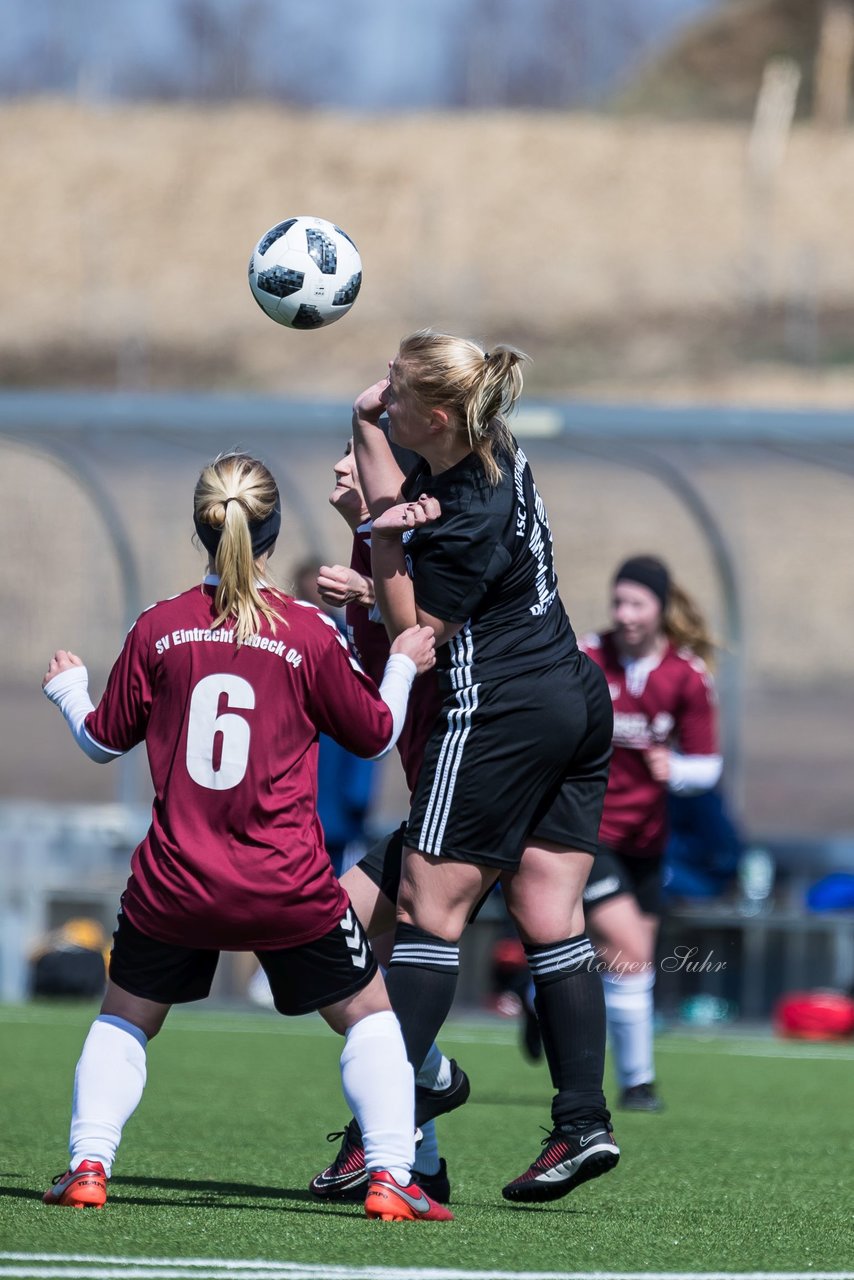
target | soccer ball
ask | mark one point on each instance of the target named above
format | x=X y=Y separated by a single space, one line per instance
x=305 y=273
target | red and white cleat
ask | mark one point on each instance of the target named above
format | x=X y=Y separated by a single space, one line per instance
x=388 y=1201
x=85 y=1188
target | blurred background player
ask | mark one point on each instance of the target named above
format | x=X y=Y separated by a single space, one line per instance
x=372 y=884
x=665 y=743
x=515 y=770
x=704 y=847
x=228 y=684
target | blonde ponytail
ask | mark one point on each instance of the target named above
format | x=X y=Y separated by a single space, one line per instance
x=479 y=388
x=235 y=497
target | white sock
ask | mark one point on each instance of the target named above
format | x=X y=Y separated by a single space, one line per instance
x=427 y=1153
x=435 y=1073
x=108 y=1085
x=629 y=1007
x=435 y=1070
x=379 y=1087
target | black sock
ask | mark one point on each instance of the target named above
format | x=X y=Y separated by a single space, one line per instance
x=421 y=981
x=570 y=1005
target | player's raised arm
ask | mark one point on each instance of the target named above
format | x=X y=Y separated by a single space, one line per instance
x=380 y=475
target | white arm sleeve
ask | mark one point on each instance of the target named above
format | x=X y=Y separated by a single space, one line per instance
x=70 y=692
x=400 y=672
x=691 y=775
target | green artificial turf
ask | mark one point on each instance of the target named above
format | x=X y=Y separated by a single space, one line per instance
x=749 y=1167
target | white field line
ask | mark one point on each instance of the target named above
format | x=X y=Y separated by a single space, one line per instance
x=111 y=1267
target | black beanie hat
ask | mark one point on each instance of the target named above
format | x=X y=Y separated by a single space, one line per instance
x=649 y=572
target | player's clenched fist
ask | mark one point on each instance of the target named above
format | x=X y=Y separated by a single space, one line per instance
x=338 y=586
x=369 y=405
x=419 y=644
x=62 y=660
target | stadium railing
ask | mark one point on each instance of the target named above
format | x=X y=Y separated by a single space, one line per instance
x=69 y=860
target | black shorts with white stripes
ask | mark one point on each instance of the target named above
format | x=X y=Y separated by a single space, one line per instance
x=615 y=873
x=302 y=978
x=521 y=758
x=383 y=864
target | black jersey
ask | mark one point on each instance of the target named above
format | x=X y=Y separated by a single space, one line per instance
x=488 y=562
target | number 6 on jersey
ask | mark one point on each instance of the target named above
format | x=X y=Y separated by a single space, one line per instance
x=218 y=745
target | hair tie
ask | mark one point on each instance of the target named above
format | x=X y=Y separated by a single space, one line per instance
x=262 y=532
x=486 y=355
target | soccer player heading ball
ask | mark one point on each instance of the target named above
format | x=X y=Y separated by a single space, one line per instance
x=228 y=685
x=514 y=773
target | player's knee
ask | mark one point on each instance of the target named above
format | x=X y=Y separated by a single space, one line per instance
x=547 y=924
x=443 y=922
x=368 y=1000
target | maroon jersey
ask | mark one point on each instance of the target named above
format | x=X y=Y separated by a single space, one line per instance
x=234 y=856
x=673 y=704
x=369 y=641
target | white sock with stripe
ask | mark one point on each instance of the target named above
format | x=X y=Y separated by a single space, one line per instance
x=108 y=1085
x=379 y=1087
x=629 y=1008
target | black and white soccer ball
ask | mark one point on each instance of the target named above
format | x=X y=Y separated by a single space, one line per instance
x=305 y=273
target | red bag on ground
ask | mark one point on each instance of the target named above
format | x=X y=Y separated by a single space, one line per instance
x=814 y=1015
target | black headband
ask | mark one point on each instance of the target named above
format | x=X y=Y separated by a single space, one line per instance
x=648 y=572
x=262 y=532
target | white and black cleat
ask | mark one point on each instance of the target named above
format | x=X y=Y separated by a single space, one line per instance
x=567 y=1160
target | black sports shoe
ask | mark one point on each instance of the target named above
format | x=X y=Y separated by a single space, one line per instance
x=640 y=1097
x=435 y=1185
x=346 y=1179
x=568 y=1159
x=430 y=1103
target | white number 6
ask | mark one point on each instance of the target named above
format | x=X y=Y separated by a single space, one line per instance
x=205 y=726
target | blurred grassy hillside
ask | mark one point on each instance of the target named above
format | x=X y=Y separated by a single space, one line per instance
x=623 y=253
x=714 y=69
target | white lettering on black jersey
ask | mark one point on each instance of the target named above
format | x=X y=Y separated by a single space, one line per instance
x=540 y=539
x=488 y=562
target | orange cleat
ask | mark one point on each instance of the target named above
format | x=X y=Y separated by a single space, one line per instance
x=85 y=1188
x=388 y=1201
